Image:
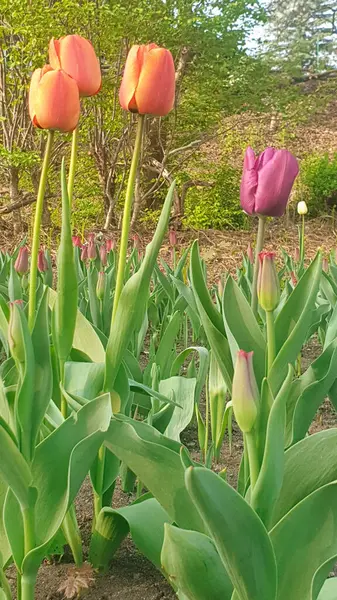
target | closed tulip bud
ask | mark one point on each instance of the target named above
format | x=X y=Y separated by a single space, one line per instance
x=54 y=101
x=268 y=286
x=250 y=253
x=91 y=250
x=136 y=241
x=84 y=253
x=15 y=333
x=245 y=394
x=103 y=255
x=267 y=181
x=297 y=254
x=76 y=56
x=77 y=242
x=172 y=238
x=110 y=245
x=220 y=287
x=293 y=278
x=302 y=208
x=325 y=264
x=42 y=263
x=148 y=85
x=100 y=287
x=21 y=263
x=91 y=237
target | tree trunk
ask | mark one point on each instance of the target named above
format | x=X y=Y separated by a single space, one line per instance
x=14 y=194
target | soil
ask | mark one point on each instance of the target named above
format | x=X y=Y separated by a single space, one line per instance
x=131 y=576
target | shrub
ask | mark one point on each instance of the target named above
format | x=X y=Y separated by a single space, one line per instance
x=318 y=181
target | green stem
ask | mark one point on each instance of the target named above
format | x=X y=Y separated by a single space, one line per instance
x=271 y=344
x=127 y=214
x=258 y=248
x=64 y=405
x=73 y=536
x=302 y=240
x=206 y=419
x=98 y=496
x=36 y=231
x=72 y=166
x=254 y=468
x=28 y=529
x=18 y=586
x=28 y=586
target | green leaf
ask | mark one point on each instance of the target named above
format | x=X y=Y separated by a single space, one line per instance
x=203 y=366
x=167 y=343
x=329 y=590
x=239 y=535
x=183 y=391
x=304 y=540
x=14 y=470
x=193 y=566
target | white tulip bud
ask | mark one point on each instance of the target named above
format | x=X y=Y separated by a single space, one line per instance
x=302 y=208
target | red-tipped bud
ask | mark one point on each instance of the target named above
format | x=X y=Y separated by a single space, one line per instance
x=325 y=264
x=77 y=241
x=110 y=245
x=293 y=278
x=103 y=255
x=91 y=250
x=245 y=393
x=91 y=237
x=42 y=263
x=297 y=254
x=250 y=253
x=100 y=287
x=172 y=238
x=21 y=263
x=136 y=241
x=268 y=287
x=84 y=253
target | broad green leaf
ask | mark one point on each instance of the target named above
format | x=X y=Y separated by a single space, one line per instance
x=329 y=590
x=156 y=461
x=309 y=464
x=133 y=300
x=193 y=566
x=239 y=535
x=14 y=470
x=304 y=540
x=183 y=391
x=84 y=379
x=203 y=366
x=167 y=343
x=5 y=550
x=144 y=520
x=241 y=322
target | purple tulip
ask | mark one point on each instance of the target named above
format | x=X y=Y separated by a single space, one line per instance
x=267 y=181
x=21 y=263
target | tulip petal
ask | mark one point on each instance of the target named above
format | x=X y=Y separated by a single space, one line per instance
x=34 y=84
x=57 y=104
x=275 y=180
x=265 y=157
x=54 y=53
x=250 y=159
x=76 y=56
x=155 y=92
x=130 y=79
x=248 y=182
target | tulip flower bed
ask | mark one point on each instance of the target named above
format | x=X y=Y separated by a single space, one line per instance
x=106 y=363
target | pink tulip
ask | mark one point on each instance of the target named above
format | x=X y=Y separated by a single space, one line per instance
x=103 y=255
x=136 y=241
x=91 y=250
x=172 y=238
x=293 y=278
x=110 y=245
x=42 y=263
x=77 y=241
x=267 y=181
x=21 y=263
x=84 y=253
x=250 y=253
x=91 y=237
x=297 y=254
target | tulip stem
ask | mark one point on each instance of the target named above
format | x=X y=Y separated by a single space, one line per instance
x=72 y=166
x=36 y=231
x=271 y=344
x=253 y=460
x=127 y=214
x=302 y=240
x=258 y=248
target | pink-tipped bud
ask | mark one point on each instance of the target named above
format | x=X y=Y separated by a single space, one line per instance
x=91 y=250
x=297 y=254
x=77 y=242
x=21 y=263
x=220 y=287
x=268 y=286
x=293 y=278
x=172 y=238
x=103 y=255
x=110 y=245
x=136 y=241
x=250 y=253
x=91 y=237
x=100 y=287
x=245 y=393
x=325 y=264
x=42 y=263
x=84 y=253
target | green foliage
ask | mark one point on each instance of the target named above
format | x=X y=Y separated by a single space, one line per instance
x=216 y=207
x=318 y=181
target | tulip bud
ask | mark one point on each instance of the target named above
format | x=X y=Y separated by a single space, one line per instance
x=91 y=250
x=54 y=101
x=172 y=238
x=268 y=286
x=325 y=264
x=76 y=56
x=21 y=263
x=148 y=85
x=84 y=253
x=42 y=263
x=250 y=253
x=15 y=333
x=302 y=208
x=220 y=287
x=100 y=287
x=136 y=241
x=297 y=254
x=245 y=394
x=77 y=241
x=293 y=278
x=103 y=255
x=110 y=245
x=91 y=237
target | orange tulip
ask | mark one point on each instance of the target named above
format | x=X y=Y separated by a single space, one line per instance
x=148 y=85
x=54 y=101
x=76 y=56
